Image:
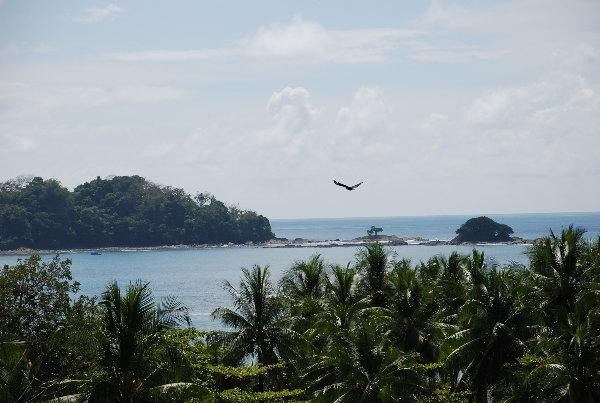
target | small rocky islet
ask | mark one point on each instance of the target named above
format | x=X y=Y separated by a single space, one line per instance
x=478 y=230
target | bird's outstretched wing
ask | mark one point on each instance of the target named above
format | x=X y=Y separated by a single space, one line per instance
x=346 y=186
x=341 y=184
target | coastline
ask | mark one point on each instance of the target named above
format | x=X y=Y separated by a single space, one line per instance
x=387 y=240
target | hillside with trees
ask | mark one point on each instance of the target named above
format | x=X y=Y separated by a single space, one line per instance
x=120 y=211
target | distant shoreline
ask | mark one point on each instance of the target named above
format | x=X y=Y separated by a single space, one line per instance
x=277 y=243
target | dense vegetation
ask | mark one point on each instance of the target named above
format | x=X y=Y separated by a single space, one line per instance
x=452 y=329
x=121 y=211
x=483 y=229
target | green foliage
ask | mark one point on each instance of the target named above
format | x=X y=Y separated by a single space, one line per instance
x=121 y=211
x=374 y=230
x=44 y=328
x=137 y=360
x=483 y=229
x=237 y=395
x=455 y=329
x=34 y=296
x=256 y=321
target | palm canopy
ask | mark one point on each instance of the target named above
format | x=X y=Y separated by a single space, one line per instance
x=559 y=273
x=570 y=370
x=136 y=362
x=411 y=317
x=373 y=262
x=305 y=279
x=356 y=367
x=341 y=306
x=255 y=321
x=495 y=327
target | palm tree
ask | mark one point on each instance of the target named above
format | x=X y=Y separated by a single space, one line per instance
x=302 y=286
x=256 y=321
x=570 y=370
x=452 y=286
x=341 y=304
x=567 y=288
x=137 y=364
x=559 y=272
x=305 y=279
x=373 y=262
x=357 y=368
x=410 y=319
x=495 y=328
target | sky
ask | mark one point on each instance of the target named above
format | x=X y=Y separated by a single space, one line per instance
x=442 y=107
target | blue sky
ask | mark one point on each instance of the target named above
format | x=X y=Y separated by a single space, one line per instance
x=440 y=107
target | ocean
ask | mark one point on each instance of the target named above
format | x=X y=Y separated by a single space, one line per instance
x=197 y=275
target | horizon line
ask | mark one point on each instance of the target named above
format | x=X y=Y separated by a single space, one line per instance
x=437 y=215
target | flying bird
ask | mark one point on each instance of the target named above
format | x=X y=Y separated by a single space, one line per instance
x=346 y=186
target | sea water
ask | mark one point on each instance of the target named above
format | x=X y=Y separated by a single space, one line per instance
x=196 y=276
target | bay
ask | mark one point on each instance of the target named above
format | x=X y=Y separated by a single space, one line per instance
x=197 y=275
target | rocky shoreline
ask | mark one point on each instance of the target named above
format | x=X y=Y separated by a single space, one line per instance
x=388 y=240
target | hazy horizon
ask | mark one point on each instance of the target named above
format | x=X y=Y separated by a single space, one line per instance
x=441 y=107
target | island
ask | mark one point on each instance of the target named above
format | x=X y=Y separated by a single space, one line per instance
x=483 y=229
x=119 y=211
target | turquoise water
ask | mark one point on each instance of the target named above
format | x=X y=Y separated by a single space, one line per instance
x=196 y=275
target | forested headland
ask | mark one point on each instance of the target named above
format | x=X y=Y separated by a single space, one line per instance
x=454 y=328
x=119 y=211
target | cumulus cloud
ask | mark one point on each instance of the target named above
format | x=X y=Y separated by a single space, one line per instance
x=541 y=101
x=292 y=114
x=547 y=127
x=100 y=14
x=291 y=108
x=366 y=113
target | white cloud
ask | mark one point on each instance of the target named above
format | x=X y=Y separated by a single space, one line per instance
x=99 y=14
x=291 y=108
x=368 y=112
x=540 y=100
x=292 y=114
x=309 y=41
x=297 y=40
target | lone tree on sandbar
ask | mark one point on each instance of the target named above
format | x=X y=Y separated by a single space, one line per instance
x=374 y=230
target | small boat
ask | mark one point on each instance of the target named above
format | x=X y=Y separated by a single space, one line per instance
x=95 y=253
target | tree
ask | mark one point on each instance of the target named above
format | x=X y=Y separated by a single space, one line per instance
x=356 y=367
x=119 y=211
x=34 y=296
x=305 y=279
x=137 y=360
x=256 y=321
x=410 y=319
x=302 y=287
x=559 y=272
x=374 y=230
x=495 y=326
x=373 y=262
x=483 y=229
x=42 y=326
